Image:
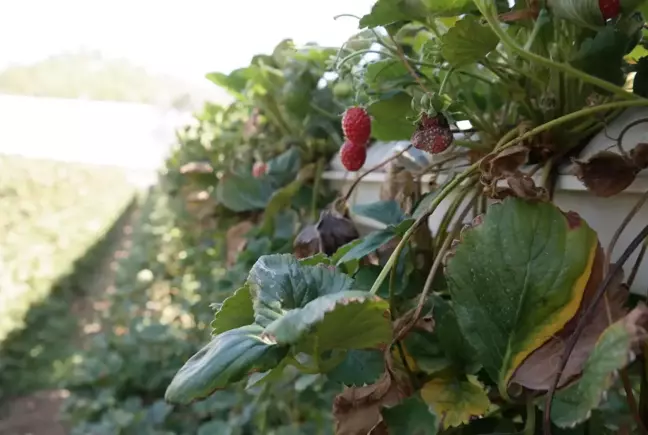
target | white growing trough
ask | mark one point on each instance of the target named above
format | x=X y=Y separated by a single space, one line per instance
x=603 y=214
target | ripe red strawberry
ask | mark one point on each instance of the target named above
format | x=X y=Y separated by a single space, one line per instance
x=356 y=125
x=609 y=8
x=259 y=169
x=353 y=156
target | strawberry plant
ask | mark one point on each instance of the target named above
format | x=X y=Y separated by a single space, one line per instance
x=519 y=322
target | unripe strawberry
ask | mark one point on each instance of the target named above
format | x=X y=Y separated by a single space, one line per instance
x=259 y=169
x=356 y=125
x=353 y=156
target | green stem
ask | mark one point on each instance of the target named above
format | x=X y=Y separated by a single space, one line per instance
x=540 y=21
x=570 y=117
x=445 y=81
x=529 y=425
x=485 y=7
x=423 y=218
x=316 y=186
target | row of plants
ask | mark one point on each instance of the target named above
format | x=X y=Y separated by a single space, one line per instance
x=516 y=323
x=55 y=217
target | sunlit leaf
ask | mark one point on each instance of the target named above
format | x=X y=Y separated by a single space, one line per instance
x=235 y=311
x=467 y=42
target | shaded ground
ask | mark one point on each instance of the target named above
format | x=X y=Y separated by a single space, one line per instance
x=38 y=413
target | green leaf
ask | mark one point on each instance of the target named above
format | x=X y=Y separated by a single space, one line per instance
x=574 y=404
x=602 y=55
x=424 y=352
x=388 y=212
x=640 y=83
x=412 y=417
x=235 y=82
x=359 y=367
x=234 y=312
x=372 y=241
x=391 y=118
x=467 y=42
x=280 y=200
x=284 y=168
x=279 y=283
x=241 y=193
x=517 y=278
x=452 y=341
x=387 y=74
x=457 y=400
x=449 y=8
x=386 y=12
x=346 y=320
x=213 y=427
x=228 y=358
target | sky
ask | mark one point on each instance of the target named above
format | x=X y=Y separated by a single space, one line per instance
x=184 y=38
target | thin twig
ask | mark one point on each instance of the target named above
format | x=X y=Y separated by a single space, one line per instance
x=440 y=254
x=401 y=55
x=626 y=220
x=375 y=168
x=624 y=131
x=637 y=264
x=582 y=323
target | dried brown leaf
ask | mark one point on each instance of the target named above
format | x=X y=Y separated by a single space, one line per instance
x=508 y=161
x=605 y=173
x=236 y=240
x=357 y=409
x=307 y=243
x=524 y=187
x=335 y=230
x=639 y=155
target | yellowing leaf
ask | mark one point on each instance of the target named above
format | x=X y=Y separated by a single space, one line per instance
x=455 y=401
x=517 y=279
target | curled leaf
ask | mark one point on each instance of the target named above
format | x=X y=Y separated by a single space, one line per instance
x=228 y=358
x=639 y=155
x=331 y=232
x=236 y=240
x=605 y=173
x=357 y=409
x=523 y=186
x=507 y=162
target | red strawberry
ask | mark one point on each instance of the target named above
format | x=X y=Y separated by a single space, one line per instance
x=356 y=125
x=433 y=139
x=259 y=169
x=609 y=8
x=353 y=156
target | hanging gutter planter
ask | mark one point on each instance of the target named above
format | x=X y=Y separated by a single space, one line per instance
x=603 y=214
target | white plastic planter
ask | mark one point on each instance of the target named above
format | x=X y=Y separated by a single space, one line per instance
x=603 y=214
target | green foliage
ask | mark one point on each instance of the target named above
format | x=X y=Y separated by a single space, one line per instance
x=58 y=220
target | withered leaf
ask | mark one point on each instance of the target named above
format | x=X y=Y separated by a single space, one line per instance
x=508 y=161
x=307 y=243
x=605 y=173
x=524 y=187
x=540 y=367
x=335 y=230
x=639 y=155
x=357 y=410
x=236 y=240
x=327 y=235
